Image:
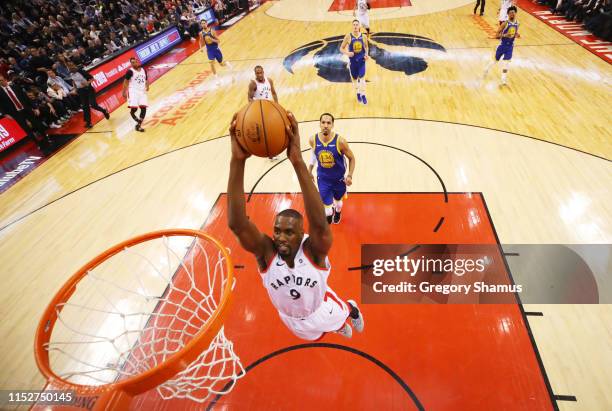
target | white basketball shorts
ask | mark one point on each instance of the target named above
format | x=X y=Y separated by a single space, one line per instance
x=330 y=316
x=137 y=99
x=364 y=20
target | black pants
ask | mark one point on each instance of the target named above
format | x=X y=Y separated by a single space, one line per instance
x=480 y=3
x=88 y=99
x=36 y=129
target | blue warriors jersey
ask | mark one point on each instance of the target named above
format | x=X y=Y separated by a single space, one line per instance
x=357 y=46
x=331 y=166
x=511 y=29
x=208 y=40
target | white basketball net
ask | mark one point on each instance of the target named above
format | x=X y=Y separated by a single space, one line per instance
x=140 y=307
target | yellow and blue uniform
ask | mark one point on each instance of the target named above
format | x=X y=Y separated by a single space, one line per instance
x=331 y=167
x=212 y=48
x=357 y=62
x=506 y=46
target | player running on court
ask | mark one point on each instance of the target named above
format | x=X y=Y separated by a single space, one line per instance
x=508 y=31
x=211 y=41
x=355 y=46
x=328 y=152
x=135 y=88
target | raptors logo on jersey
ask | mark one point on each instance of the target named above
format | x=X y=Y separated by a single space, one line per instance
x=138 y=79
x=305 y=303
x=296 y=292
x=137 y=87
x=263 y=91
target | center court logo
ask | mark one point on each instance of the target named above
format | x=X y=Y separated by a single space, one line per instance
x=390 y=51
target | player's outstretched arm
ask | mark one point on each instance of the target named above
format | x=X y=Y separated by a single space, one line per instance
x=251 y=239
x=319 y=231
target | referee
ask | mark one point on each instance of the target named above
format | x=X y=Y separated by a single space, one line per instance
x=82 y=81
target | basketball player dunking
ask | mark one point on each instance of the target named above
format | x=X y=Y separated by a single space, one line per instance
x=328 y=152
x=293 y=265
x=355 y=46
x=262 y=87
x=211 y=41
x=508 y=31
x=135 y=87
x=361 y=13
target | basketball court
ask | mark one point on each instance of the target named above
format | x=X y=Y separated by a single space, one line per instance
x=443 y=157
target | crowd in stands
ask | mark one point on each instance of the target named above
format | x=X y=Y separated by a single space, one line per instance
x=595 y=15
x=45 y=42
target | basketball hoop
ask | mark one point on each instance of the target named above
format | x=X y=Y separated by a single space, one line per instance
x=147 y=313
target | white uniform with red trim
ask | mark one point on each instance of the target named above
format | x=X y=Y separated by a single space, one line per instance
x=263 y=90
x=362 y=13
x=305 y=303
x=503 y=9
x=137 y=88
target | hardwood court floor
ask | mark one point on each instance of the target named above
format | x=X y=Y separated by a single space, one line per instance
x=113 y=183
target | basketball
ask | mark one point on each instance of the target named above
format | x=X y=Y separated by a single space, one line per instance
x=260 y=128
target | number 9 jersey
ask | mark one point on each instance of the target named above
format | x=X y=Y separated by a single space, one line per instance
x=305 y=303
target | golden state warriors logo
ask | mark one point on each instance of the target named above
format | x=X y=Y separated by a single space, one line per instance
x=331 y=64
x=326 y=159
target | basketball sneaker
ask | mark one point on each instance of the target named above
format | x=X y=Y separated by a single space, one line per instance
x=358 y=322
x=359 y=97
x=337 y=216
x=346 y=331
x=364 y=100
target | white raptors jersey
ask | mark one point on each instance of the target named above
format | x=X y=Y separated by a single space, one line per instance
x=503 y=10
x=296 y=292
x=263 y=91
x=362 y=6
x=138 y=81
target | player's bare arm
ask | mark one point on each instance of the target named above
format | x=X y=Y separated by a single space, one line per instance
x=313 y=158
x=346 y=150
x=320 y=239
x=274 y=96
x=125 y=87
x=500 y=29
x=344 y=46
x=249 y=236
x=252 y=89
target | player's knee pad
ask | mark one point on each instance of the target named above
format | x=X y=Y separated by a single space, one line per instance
x=143 y=112
x=505 y=64
x=329 y=210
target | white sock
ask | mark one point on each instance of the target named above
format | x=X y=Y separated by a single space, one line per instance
x=338 y=205
x=361 y=85
x=329 y=210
